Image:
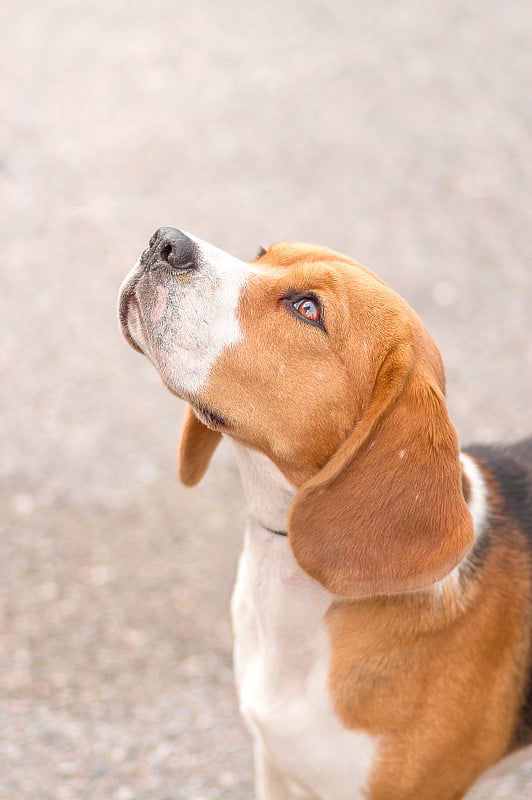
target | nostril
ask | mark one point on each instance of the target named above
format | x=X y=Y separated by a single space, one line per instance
x=165 y=252
x=173 y=247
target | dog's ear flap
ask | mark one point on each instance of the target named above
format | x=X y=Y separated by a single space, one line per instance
x=196 y=447
x=387 y=513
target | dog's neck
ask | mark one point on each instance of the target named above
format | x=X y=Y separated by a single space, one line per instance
x=269 y=497
x=287 y=603
x=268 y=494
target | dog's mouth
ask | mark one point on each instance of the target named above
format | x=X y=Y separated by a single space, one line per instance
x=127 y=301
x=169 y=251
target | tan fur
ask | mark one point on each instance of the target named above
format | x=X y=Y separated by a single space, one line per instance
x=387 y=513
x=299 y=401
x=356 y=419
x=374 y=413
x=438 y=678
x=260 y=391
x=196 y=447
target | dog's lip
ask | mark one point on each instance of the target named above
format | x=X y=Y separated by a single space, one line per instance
x=126 y=297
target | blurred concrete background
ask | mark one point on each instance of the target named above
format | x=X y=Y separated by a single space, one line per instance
x=397 y=132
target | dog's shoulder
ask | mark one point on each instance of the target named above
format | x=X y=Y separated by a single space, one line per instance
x=510 y=468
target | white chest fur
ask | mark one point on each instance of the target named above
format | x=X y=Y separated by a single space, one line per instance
x=282 y=654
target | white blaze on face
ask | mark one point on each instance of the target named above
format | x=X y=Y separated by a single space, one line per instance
x=208 y=313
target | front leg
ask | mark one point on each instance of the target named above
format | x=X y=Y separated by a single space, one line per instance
x=271 y=784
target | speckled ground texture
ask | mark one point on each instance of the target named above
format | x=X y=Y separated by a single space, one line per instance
x=397 y=132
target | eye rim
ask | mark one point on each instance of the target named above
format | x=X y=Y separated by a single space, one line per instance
x=291 y=299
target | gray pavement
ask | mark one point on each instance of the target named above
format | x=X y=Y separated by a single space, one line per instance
x=397 y=132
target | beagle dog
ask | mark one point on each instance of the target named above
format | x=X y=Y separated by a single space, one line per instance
x=382 y=610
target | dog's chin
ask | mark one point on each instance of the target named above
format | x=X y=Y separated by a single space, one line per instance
x=210 y=417
x=205 y=412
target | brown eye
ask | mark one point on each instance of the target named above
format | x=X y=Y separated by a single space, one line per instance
x=308 y=308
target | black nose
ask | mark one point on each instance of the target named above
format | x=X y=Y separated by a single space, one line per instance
x=173 y=247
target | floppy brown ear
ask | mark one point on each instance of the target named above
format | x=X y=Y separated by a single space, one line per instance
x=196 y=447
x=387 y=513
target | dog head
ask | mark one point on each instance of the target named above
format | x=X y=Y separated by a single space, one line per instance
x=309 y=358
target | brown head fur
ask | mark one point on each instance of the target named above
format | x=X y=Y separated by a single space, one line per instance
x=353 y=415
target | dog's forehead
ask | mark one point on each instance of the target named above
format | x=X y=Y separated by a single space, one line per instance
x=301 y=254
x=244 y=287
x=287 y=254
x=282 y=261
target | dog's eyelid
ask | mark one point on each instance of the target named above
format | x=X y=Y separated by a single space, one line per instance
x=308 y=308
x=292 y=299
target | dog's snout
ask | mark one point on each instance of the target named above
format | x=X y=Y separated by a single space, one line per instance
x=172 y=246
